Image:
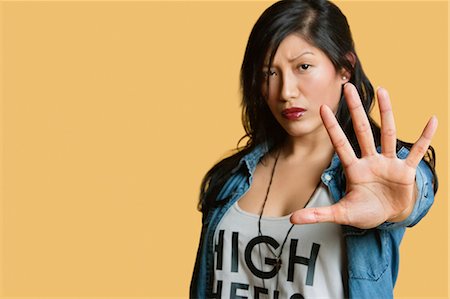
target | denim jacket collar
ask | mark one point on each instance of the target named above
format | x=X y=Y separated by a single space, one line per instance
x=253 y=158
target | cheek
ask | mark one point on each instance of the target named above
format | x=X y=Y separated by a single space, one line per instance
x=328 y=91
x=336 y=97
x=270 y=93
x=333 y=96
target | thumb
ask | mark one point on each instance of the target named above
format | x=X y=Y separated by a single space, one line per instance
x=333 y=213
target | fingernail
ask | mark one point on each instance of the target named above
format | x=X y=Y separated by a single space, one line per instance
x=302 y=218
x=382 y=90
x=434 y=117
x=293 y=219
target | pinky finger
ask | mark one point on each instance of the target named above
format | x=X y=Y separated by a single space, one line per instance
x=419 y=148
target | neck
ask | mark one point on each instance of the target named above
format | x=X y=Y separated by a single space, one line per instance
x=314 y=147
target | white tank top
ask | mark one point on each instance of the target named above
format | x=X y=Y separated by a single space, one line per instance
x=312 y=260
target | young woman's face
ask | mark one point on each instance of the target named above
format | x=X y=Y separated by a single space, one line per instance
x=301 y=79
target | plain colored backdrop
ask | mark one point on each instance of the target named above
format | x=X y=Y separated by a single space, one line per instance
x=112 y=112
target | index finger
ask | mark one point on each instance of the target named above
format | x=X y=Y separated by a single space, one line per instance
x=337 y=136
x=360 y=121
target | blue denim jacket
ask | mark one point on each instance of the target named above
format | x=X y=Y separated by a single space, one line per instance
x=372 y=255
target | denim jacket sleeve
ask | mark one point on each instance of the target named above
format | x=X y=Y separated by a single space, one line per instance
x=425 y=195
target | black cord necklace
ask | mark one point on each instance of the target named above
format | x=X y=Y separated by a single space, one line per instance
x=277 y=257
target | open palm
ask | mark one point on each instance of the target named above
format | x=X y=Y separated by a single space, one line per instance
x=380 y=186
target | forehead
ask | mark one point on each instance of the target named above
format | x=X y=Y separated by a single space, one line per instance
x=293 y=46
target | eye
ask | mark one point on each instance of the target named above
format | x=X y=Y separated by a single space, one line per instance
x=269 y=73
x=304 y=67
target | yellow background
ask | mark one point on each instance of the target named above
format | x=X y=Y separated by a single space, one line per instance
x=112 y=112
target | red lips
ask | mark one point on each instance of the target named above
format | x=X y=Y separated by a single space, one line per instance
x=293 y=113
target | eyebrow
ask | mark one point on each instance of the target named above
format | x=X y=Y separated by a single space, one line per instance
x=294 y=58
x=300 y=55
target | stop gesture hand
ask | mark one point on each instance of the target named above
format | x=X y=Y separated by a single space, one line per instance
x=380 y=186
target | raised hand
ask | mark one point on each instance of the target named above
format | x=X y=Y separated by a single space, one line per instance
x=380 y=187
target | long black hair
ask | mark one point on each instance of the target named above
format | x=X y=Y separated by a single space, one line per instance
x=323 y=25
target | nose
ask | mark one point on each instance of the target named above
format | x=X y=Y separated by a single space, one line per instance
x=289 y=88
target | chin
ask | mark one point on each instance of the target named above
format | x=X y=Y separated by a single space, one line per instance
x=300 y=130
x=297 y=132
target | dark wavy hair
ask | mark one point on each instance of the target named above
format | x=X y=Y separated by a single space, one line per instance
x=323 y=25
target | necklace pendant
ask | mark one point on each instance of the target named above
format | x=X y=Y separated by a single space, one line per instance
x=278 y=264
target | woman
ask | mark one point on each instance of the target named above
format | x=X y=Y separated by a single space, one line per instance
x=316 y=204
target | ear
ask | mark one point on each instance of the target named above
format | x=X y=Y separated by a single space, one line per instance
x=352 y=58
x=345 y=73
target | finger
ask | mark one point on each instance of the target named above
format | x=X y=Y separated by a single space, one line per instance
x=360 y=121
x=388 y=131
x=333 y=213
x=419 y=148
x=337 y=136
